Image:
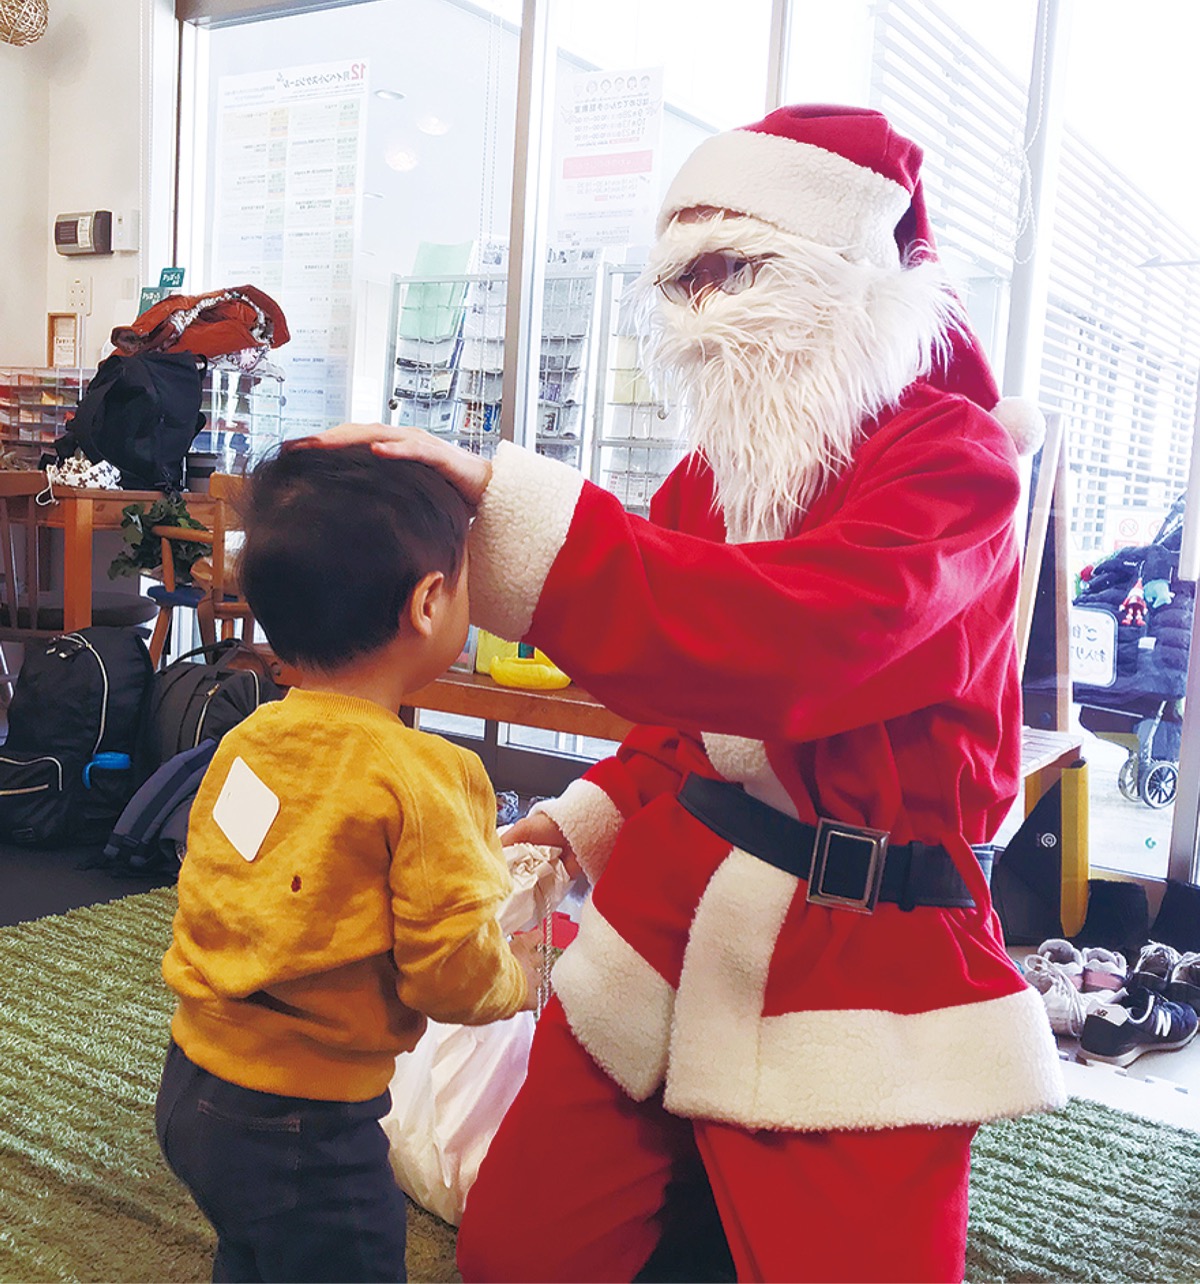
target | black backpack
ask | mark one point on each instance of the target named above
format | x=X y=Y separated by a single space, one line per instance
x=140 y=413
x=150 y=836
x=192 y=702
x=70 y=763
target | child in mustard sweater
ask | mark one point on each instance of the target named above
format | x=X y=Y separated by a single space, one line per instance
x=341 y=882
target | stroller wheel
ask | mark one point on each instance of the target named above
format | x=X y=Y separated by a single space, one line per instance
x=1127 y=779
x=1158 y=784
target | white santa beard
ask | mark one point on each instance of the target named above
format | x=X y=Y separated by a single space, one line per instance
x=778 y=381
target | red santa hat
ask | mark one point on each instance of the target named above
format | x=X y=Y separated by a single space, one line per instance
x=844 y=178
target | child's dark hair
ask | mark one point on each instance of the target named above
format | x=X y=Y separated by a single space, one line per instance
x=336 y=541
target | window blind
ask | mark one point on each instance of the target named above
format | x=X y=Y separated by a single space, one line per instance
x=1122 y=339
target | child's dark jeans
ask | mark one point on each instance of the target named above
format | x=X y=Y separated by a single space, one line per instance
x=295 y=1189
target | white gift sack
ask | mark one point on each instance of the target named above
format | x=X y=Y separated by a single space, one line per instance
x=449 y=1095
x=451 y=1091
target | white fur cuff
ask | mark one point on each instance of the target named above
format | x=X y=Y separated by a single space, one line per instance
x=590 y=822
x=869 y=1069
x=517 y=533
x=618 y=1007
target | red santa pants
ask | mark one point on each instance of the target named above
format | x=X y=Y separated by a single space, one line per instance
x=575 y=1179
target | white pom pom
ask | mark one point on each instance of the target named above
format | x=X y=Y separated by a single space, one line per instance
x=1024 y=421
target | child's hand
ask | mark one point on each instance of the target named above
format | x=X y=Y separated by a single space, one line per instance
x=526 y=948
x=541 y=831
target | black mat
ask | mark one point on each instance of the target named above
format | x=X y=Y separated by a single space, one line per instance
x=34 y=884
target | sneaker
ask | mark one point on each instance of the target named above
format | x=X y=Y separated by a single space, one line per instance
x=1062 y=956
x=1143 y=1021
x=1066 y=1007
x=1154 y=966
x=1103 y=969
x=1184 y=985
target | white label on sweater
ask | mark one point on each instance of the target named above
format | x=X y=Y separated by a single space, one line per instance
x=245 y=809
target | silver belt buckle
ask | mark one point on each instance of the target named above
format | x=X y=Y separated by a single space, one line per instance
x=830 y=837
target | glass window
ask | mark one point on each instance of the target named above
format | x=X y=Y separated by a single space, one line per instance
x=1116 y=372
x=1119 y=367
x=345 y=149
x=638 y=87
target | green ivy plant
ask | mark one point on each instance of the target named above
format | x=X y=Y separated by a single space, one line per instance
x=143 y=552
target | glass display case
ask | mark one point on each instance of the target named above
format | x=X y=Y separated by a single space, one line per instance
x=636 y=441
x=243 y=415
x=446 y=358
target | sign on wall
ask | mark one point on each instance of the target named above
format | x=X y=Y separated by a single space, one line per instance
x=288 y=165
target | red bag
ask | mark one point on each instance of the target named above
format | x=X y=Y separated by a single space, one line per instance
x=219 y=324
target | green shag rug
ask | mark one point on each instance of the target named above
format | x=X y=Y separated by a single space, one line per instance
x=1086 y=1193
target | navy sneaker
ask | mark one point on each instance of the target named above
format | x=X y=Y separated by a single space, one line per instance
x=1143 y=1021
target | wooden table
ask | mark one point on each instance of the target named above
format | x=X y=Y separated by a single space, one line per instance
x=1044 y=754
x=1044 y=757
x=476 y=695
x=1047 y=758
x=79 y=514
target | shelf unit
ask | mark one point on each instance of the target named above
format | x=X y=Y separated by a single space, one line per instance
x=636 y=441
x=34 y=406
x=445 y=358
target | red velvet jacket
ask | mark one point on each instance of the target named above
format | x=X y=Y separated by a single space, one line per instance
x=862 y=669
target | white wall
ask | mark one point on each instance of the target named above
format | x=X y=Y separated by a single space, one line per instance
x=24 y=134
x=84 y=109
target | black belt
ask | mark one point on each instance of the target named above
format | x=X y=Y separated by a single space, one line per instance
x=846 y=866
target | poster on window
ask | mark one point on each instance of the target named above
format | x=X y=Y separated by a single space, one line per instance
x=607 y=152
x=288 y=164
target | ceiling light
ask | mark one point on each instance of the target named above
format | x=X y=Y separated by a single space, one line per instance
x=393 y=95
x=401 y=159
x=434 y=125
x=373 y=196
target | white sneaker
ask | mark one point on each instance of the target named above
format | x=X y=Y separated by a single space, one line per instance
x=1063 y=1002
x=1066 y=1007
x=1063 y=956
x=1103 y=969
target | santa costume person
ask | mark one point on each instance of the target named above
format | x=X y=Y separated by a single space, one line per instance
x=789 y=967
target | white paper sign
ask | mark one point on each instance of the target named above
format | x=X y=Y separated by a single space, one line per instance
x=1093 y=646
x=245 y=809
x=607 y=151
x=289 y=159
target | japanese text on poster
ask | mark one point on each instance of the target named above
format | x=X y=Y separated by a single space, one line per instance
x=289 y=159
x=607 y=153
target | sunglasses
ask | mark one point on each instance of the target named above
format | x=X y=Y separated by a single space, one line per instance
x=729 y=271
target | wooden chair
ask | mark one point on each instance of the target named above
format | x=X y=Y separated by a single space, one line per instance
x=213 y=594
x=26 y=611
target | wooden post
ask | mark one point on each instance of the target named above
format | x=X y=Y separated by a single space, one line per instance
x=1043 y=607
x=77 y=572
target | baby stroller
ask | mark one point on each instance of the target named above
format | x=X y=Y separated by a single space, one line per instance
x=1150 y=772
x=1142 y=708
